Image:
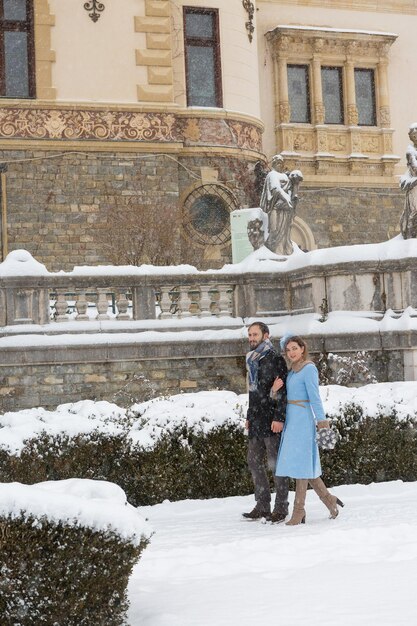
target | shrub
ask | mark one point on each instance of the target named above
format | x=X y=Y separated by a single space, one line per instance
x=65 y=566
x=186 y=462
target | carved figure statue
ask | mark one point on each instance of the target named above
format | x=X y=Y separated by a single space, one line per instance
x=408 y=183
x=279 y=200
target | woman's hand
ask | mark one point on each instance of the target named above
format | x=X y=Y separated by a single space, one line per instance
x=278 y=384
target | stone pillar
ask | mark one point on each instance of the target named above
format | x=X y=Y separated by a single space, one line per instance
x=143 y=302
x=384 y=116
x=317 y=91
x=282 y=96
x=352 y=110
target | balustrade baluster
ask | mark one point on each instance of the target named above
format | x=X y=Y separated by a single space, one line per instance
x=225 y=300
x=165 y=303
x=122 y=304
x=81 y=306
x=205 y=301
x=102 y=305
x=61 y=307
x=184 y=303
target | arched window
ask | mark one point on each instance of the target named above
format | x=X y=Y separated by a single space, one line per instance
x=17 y=67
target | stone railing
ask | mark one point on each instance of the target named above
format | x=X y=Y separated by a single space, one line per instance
x=30 y=297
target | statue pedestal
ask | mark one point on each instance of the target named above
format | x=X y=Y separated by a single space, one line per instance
x=239 y=220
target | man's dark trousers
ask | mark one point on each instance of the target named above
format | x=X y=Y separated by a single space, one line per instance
x=257 y=448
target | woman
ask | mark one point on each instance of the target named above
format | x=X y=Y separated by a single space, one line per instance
x=298 y=455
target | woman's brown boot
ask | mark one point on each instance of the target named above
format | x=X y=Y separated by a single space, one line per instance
x=326 y=497
x=298 y=514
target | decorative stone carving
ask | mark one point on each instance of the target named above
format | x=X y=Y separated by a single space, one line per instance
x=284 y=112
x=384 y=116
x=408 y=183
x=352 y=113
x=256 y=233
x=279 y=201
x=319 y=113
x=81 y=124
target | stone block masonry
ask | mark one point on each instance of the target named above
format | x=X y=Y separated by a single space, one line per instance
x=129 y=373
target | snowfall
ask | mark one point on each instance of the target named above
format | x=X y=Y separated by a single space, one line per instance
x=207 y=566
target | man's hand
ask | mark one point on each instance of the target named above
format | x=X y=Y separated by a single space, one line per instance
x=278 y=384
x=277 y=427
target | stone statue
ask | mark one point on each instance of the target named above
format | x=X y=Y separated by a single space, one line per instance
x=408 y=183
x=279 y=200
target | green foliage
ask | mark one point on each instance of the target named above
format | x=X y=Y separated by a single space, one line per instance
x=371 y=449
x=188 y=463
x=52 y=573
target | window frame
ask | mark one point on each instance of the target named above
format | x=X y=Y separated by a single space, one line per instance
x=205 y=42
x=370 y=71
x=307 y=68
x=26 y=26
x=340 y=71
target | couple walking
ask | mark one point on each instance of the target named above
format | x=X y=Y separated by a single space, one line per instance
x=287 y=402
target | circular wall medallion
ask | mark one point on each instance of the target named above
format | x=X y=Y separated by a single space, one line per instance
x=207 y=214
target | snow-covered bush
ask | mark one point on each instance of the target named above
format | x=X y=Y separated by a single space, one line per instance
x=340 y=369
x=193 y=445
x=67 y=551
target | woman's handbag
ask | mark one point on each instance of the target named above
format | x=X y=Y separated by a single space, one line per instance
x=326 y=437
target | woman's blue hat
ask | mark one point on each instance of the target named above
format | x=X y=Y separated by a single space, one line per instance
x=285 y=339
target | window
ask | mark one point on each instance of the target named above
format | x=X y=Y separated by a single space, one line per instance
x=365 y=97
x=202 y=57
x=16 y=49
x=332 y=86
x=207 y=214
x=299 y=93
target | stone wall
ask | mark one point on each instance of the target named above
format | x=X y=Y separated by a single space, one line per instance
x=135 y=372
x=63 y=210
x=351 y=215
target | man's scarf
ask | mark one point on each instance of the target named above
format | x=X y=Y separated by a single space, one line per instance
x=252 y=362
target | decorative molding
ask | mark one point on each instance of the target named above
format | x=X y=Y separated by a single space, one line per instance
x=157 y=56
x=250 y=9
x=85 y=124
x=95 y=7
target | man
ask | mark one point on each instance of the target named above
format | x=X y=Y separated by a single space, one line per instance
x=265 y=421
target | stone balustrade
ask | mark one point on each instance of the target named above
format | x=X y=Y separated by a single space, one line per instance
x=50 y=298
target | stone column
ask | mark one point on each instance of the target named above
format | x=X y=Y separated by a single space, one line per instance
x=384 y=117
x=317 y=91
x=352 y=111
x=282 y=96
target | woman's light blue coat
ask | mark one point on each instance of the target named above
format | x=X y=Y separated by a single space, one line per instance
x=298 y=455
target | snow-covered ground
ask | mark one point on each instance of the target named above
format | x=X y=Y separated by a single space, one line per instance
x=205 y=566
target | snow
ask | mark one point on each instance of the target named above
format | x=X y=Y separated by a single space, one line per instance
x=21 y=263
x=335 y=30
x=203 y=411
x=205 y=566
x=94 y=504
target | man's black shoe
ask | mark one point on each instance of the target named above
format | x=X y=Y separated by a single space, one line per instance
x=276 y=517
x=257 y=513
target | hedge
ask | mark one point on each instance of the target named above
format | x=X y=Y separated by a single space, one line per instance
x=187 y=463
x=53 y=573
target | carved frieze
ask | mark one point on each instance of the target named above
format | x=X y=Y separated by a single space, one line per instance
x=114 y=125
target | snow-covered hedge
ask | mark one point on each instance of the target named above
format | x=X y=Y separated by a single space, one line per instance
x=194 y=446
x=67 y=550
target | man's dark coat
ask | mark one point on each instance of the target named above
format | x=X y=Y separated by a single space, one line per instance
x=262 y=408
